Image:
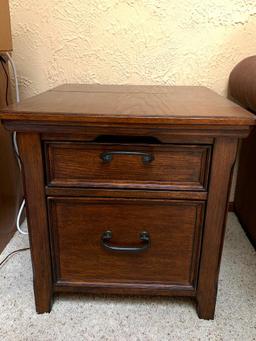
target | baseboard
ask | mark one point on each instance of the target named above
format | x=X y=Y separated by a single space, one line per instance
x=231 y=206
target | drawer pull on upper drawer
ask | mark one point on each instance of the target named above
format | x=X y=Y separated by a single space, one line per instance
x=107 y=236
x=108 y=156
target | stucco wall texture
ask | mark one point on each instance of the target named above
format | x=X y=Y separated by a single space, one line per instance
x=130 y=41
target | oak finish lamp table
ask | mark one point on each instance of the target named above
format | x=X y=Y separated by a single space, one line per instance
x=127 y=188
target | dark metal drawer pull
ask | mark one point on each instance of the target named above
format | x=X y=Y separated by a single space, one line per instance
x=108 y=156
x=107 y=236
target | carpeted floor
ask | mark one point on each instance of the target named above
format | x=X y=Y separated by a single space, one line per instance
x=132 y=318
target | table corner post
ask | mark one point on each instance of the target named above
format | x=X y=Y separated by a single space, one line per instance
x=223 y=160
x=30 y=150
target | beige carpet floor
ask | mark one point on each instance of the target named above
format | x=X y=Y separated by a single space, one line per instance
x=80 y=317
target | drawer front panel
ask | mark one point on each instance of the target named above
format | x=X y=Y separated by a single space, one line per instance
x=182 y=167
x=168 y=254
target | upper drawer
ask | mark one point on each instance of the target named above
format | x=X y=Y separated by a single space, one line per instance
x=176 y=167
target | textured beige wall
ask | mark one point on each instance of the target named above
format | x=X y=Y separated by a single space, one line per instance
x=130 y=41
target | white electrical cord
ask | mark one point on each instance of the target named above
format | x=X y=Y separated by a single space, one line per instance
x=18 y=217
x=15 y=145
x=14 y=137
x=15 y=76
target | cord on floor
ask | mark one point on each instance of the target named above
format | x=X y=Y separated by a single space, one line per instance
x=11 y=254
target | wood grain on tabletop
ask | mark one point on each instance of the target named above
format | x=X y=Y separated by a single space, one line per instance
x=130 y=104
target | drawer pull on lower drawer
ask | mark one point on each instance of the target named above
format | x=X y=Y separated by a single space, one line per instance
x=108 y=156
x=107 y=236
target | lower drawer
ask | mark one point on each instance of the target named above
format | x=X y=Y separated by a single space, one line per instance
x=125 y=241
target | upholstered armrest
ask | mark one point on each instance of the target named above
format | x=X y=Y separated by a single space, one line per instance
x=242 y=83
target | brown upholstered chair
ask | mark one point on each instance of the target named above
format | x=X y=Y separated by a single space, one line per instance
x=242 y=88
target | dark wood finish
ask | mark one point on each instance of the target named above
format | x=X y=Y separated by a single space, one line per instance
x=231 y=206
x=245 y=195
x=90 y=134
x=181 y=125
x=183 y=167
x=10 y=177
x=224 y=154
x=181 y=133
x=78 y=223
x=10 y=188
x=130 y=105
x=124 y=288
x=123 y=193
x=31 y=155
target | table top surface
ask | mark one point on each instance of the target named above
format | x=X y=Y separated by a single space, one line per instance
x=129 y=104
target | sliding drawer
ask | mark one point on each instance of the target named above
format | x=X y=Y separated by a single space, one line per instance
x=171 y=167
x=108 y=241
